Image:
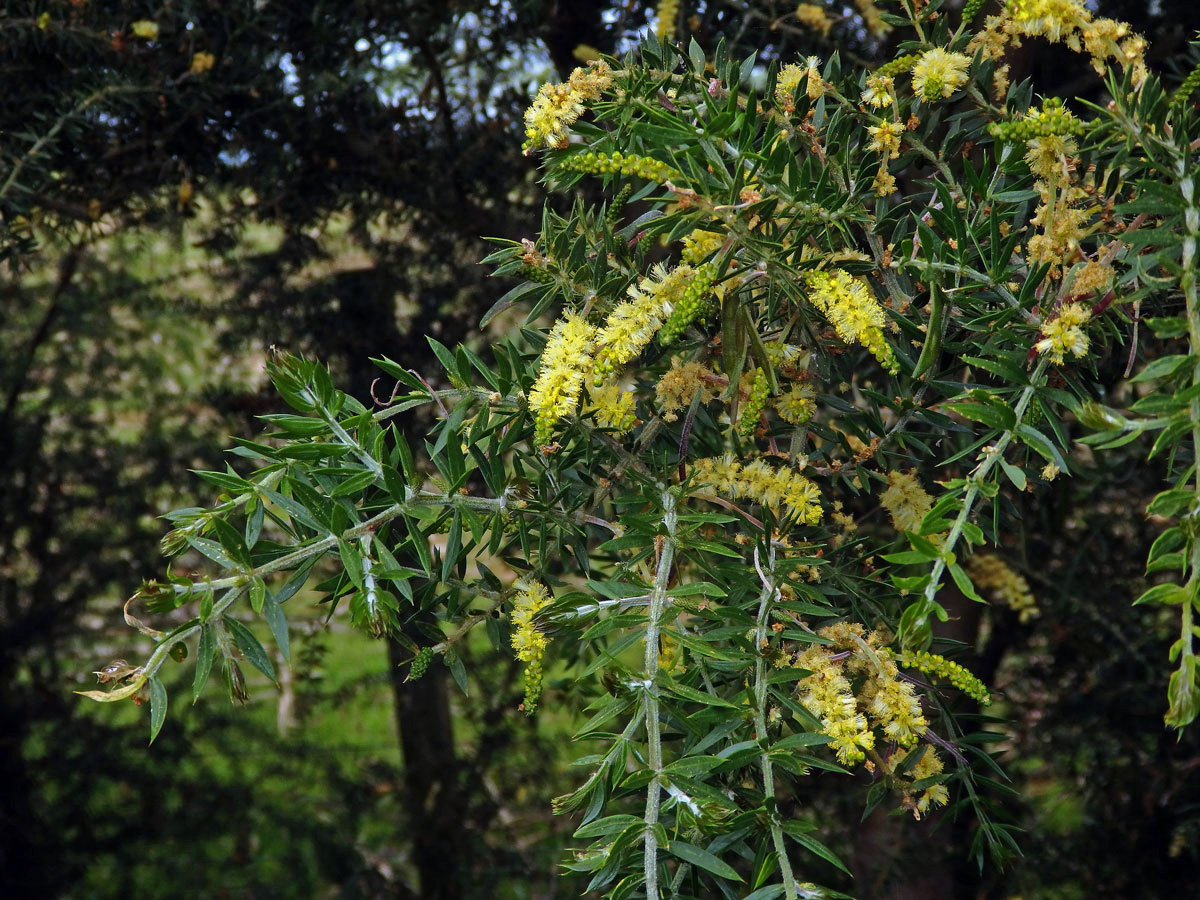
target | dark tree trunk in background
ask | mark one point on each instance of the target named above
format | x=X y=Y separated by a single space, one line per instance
x=432 y=777
x=433 y=796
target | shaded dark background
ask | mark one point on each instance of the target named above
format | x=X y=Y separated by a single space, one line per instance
x=324 y=187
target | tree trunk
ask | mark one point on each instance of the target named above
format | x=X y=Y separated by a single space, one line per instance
x=432 y=775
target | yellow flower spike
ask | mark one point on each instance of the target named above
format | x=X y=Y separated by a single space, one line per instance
x=145 y=29
x=812 y=16
x=1068 y=22
x=906 y=501
x=634 y=322
x=786 y=83
x=853 y=312
x=1092 y=278
x=700 y=245
x=560 y=379
x=667 y=12
x=992 y=574
x=815 y=85
x=527 y=640
x=885 y=138
x=826 y=693
x=896 y=708
x=202 y=62
x=928 y=766
x=884 y=183
x=880 y=91
x=679 y=384
x=797 y=404
x=613 y=407
x=758 y=481
x=872 y=18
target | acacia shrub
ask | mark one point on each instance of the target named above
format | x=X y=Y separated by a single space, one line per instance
x=825 y=323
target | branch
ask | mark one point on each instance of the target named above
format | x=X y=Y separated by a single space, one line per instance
x=768 y=595
x=658 y=602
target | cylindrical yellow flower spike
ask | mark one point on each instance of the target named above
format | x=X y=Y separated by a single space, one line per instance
x=527 y=640
x=940 y=667
x=853 y=312
x=758 y=481
x=560 y=378
x=752 y=410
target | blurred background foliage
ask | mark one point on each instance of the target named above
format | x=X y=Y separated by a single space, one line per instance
x=177 y=200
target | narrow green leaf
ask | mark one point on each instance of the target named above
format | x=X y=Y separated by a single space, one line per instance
x=245 y=640
x=702 y=859
x=963 y=580
x=277 y=621
x=816 y=847
x=158 y=707
x=205 y=653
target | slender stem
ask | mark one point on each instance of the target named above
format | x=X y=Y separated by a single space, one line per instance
x=316 y=548
x=159 y=656
x=658 y=602
x=978 y=477
x=768 y=594
x=1191 y=293
x=368 y=574
x=344 y=436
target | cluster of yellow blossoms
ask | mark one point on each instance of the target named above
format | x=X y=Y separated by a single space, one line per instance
x=557 y=106
x=527 y=639
x=906 y=501
x=1065 y=207
x=880 y=91
x=885 y=138
x=760 y=482
x=1068 y=22
x=826 y=693
x=884 y=701
x=992 y=574
x=1092 y=278
x=939 y=73
x=577 y=349
x=613 y=407
x=797 y=404
x=202 y=62
x=1063 y=222
x=678 y=385
x=667 y=12
x=633 y=322
x=853 y=312
x=1064 y=333
x=928 y=766
x=146 y=29
x=872 y=18
x=700 y=245
x=790 y=77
